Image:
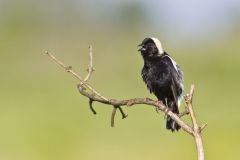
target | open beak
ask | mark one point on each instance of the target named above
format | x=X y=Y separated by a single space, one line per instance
x=141 y=48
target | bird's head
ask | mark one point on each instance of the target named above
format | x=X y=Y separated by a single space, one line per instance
x=150 y=47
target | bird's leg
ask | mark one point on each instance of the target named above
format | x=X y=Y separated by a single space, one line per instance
x=158 y=101
x=156 y=108
x=166 y=102
x=166 y=109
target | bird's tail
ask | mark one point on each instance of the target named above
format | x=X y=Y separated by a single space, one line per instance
x=171 y=124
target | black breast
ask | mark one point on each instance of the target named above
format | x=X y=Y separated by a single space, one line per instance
x=159 y=73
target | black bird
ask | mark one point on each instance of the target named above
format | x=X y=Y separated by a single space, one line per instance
x=162 y=76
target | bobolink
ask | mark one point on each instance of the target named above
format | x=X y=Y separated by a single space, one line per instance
x=162 y=76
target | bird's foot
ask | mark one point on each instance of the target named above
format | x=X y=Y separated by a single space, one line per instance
x=156 y=108
x=159 y=101
x=166 y=110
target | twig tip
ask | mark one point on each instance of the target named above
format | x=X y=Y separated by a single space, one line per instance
x=203 y=126
x=124 y=116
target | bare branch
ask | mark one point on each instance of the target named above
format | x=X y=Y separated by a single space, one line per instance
x=122 y=112
x=86 y=90
x=95 y=96
x=70 y=70
x=186 y=112
x=191 y=92
x=90 y=66
x=114 y=113
x=203 y=126
x=196 y=129
x=113 y=116
x=91 y=107
x=188 y=100
x=135 y=101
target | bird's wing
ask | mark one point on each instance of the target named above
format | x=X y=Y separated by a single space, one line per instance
x=177 y=79
x=174 y=91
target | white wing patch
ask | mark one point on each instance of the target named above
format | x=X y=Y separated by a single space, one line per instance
x=179 y=100
x=176 y=68
x=174 y=63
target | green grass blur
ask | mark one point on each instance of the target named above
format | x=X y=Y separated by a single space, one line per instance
x=43 y=117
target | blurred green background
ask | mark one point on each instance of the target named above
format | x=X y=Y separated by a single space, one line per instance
x=42 y=115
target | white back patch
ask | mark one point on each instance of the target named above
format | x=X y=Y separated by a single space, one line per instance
x=176 y=68
x=158 y=44
x=174 y=63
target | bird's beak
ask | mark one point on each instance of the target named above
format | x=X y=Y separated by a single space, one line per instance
x=141 y=48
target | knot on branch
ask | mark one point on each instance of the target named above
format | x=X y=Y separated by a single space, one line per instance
x=68 y=68
x=81 y=87
x=90 y=69
x=130 y=103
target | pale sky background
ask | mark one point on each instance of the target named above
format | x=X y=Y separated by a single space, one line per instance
x=187 y=19
x=178 y=20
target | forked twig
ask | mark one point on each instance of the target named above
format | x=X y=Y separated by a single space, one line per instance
x=90 y=68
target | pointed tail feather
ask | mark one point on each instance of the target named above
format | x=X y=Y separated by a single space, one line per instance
x=172 y=125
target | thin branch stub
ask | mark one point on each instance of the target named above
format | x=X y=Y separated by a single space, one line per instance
x=113 y=116
x=91 y=106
